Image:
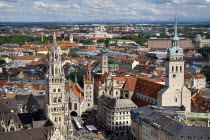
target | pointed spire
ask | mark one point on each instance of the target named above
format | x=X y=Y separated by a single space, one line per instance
x=175 y=27
x=54 y=40
x=175 y=39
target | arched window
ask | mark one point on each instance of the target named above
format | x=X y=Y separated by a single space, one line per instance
x=176 y=68
x=116 y=93
x=52 y=70
x=180 y=68
x=70 y=105
x=59 y=90
x=75 y=106
x=56 y=70
x=54 y=100
x=12 y=129
x=172 y=69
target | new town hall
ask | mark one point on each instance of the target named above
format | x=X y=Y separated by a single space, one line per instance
x=65 y=98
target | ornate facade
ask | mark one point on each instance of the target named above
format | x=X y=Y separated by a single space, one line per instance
x=56 y=107
x=82 y=99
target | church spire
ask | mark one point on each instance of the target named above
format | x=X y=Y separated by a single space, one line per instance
x=54 y=41
x=175 y=27
x=175 y=39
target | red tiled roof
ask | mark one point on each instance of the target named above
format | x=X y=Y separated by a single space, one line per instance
x=147 y=87
x=130 y=83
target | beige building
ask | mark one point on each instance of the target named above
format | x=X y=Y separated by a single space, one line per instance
x=114 y=115
x=166 y=43
x=196 y=81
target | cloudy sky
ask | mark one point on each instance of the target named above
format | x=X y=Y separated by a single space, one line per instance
x=105 y=10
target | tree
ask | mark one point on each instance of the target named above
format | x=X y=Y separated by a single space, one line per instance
x=2 y=62
x=79 y=77
x=100 y=40
x=111 y=62
x=206 y=71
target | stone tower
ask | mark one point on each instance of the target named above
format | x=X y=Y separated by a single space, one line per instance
x=175 y=62
x=56 y=107
x=105 y=61
x=88 y=88
x=71 y=38
x=175 y=93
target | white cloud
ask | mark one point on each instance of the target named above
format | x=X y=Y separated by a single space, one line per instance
x=76 y=6
x=40 y=5
x=5 y=5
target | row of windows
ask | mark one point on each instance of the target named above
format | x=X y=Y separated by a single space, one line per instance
x=178 y=69
x=57 y=119
x=122 y=128
x=71 y=106
x=147 y=100
x=58 y=90
x=121 y=123
x=56 y=100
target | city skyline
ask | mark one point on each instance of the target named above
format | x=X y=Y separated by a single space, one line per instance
x=98 y=10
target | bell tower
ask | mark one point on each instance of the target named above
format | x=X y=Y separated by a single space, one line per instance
x=174 y=62
x=71 y=38
x=56 y=108
x=104 y=61
x=88 y=88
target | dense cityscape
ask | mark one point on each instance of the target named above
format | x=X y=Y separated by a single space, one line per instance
x=104 y=79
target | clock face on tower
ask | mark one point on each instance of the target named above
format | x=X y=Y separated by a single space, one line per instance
x=174 y=75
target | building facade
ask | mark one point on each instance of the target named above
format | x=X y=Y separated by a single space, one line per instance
x=175 y=93
x=56 y=106
x=114 y=115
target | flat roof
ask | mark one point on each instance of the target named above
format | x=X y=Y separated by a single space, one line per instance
x=91 y=127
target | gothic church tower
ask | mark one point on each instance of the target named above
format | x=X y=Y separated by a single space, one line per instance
x=55 y=107
x=175 y=93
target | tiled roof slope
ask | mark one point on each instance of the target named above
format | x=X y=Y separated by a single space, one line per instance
x=147 y=87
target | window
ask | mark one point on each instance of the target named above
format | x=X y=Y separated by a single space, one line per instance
x=12 y=129
x=116 y=93
x=59 y=90
x=56 y=119
x=172 y=69
x=180 y=68
x=54 y=100
x=175 y=100
x=70 y=106
x=75 y=106
x=176 y=68
x=56 y=70
x=88 y=104
x=59 y=100
x=54 y=90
